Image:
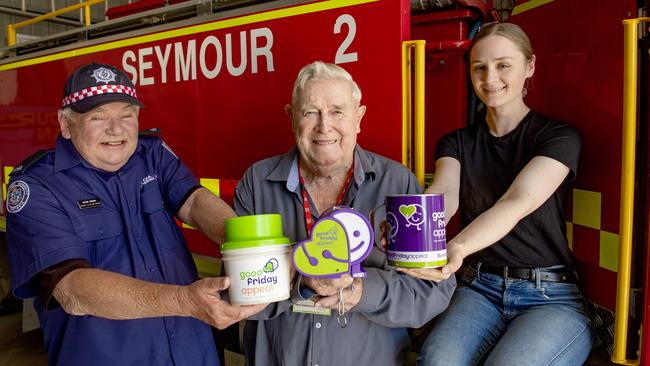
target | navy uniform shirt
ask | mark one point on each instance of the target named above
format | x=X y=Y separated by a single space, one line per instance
x=62 y=208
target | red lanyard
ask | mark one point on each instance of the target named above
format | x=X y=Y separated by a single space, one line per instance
x=309 y=219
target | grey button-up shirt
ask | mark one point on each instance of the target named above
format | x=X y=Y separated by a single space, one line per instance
x=376 y=331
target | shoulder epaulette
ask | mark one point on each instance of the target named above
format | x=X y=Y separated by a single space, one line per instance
x=25 y=164
x=150 y=132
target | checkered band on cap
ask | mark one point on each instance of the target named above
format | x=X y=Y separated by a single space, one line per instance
x=98 y=90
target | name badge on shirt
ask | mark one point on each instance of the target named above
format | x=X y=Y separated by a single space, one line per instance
x=89 y=203
x=308 y=307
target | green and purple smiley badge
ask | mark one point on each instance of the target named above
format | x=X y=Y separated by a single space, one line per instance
x=340 y=240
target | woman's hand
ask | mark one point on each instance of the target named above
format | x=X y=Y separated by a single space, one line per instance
x=455 y=258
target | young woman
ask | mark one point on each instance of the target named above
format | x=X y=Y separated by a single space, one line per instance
x=509 y=176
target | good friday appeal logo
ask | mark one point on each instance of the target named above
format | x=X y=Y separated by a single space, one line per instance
x=262 y=281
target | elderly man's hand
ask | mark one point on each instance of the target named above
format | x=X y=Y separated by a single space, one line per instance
x=383 y=241
x=204 y=303
x=329 y=290
x=292 y=273
x=351 y=296
x=327 y=286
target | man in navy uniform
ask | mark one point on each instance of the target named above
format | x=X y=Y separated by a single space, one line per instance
x=92 y=235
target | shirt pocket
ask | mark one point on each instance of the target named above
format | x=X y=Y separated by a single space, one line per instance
x=98 y=226
x=159 y=223
x=151 y=199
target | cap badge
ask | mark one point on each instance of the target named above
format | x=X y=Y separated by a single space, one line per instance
x=104 y=75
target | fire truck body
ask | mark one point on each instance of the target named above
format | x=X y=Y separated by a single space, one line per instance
x=216 y=85
x=216 y=90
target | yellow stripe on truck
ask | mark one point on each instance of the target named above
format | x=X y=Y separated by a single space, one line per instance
x=528 y=5
x=5 y=182
x=213 y=186
x=227 y=23
x=207 y=266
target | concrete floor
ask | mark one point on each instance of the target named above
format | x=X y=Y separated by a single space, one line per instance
x=18 y=348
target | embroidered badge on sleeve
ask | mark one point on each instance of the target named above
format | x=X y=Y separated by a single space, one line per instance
x=17 y=196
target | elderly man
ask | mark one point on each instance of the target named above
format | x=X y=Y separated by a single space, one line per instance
x=328 y=168
x=91 y=234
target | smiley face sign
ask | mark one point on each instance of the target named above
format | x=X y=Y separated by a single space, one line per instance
x=340 y=240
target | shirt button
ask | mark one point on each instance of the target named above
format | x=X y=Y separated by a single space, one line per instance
x=318 y=325
x=153 y=269
x=172 y=334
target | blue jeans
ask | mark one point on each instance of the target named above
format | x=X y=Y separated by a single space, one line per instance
x=513 y=322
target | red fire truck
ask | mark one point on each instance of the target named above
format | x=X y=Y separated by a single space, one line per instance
x=215 y=75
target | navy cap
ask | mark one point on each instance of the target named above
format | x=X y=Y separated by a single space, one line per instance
x=95 y=84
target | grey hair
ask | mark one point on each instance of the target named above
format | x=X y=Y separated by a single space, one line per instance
x=319 y=70
x=73 y=116
x=70 y=115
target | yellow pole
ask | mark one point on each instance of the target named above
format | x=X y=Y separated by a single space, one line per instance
x=630 y=29
x=11 y=35
x=406 y=104
x=11 y=41
x=87 y=15
x=407 y=99
x=419 y=111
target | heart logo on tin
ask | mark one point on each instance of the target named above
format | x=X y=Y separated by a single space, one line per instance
x=325 y=253
x=271 y=265
x=407 y=210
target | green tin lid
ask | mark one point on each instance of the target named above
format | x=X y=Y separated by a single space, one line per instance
x=253 y=231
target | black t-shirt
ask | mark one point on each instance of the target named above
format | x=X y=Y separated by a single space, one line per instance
x=490 y=164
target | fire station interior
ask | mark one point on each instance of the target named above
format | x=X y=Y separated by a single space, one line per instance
x=21 y=341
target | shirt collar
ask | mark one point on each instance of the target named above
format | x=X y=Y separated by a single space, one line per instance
x=67 y=157
x=287 y=168
x=362 y=165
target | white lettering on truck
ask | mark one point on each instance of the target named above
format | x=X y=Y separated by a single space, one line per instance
x=255 y=49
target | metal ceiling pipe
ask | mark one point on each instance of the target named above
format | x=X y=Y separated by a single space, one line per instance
x=420 y=5
x=26 y=14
